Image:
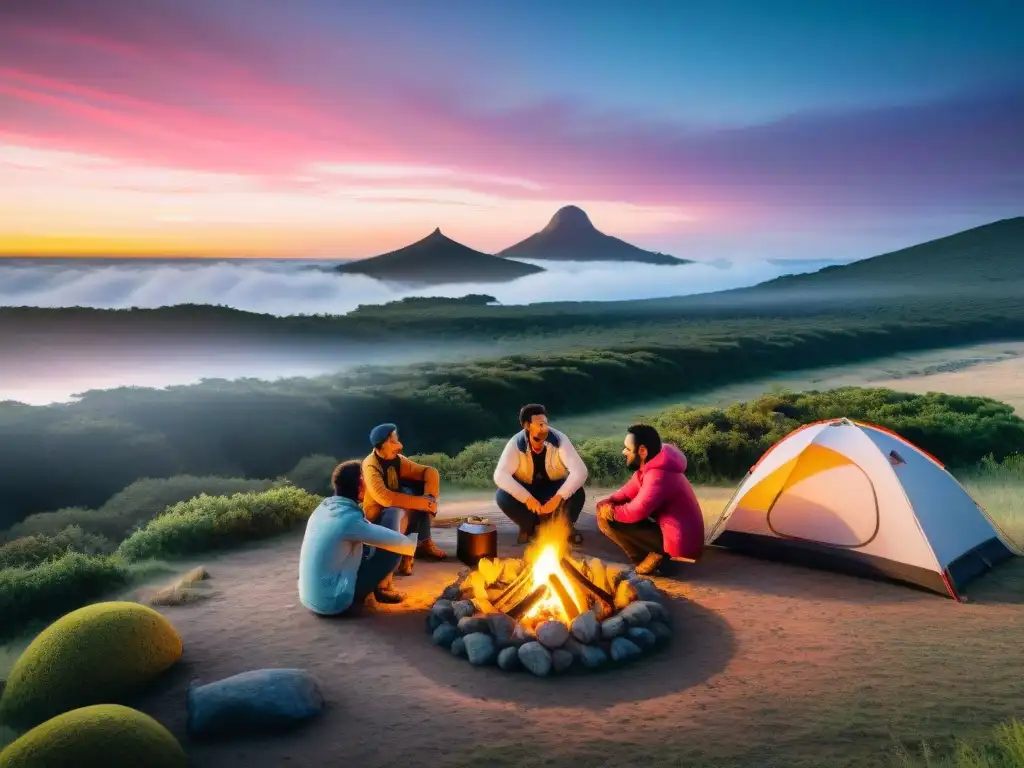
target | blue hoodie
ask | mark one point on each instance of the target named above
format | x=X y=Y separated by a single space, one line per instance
x=332 y=550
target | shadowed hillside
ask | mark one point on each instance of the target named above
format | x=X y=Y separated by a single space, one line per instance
x=438 y=259
x=570 y=236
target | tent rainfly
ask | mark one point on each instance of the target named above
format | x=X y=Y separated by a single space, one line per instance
x=850 y=496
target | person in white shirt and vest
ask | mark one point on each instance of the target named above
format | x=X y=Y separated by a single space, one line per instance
x=539 y=475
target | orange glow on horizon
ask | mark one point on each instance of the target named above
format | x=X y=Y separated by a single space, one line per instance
x=58 y=203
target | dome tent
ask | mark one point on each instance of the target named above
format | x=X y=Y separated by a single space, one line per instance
x=850 y=496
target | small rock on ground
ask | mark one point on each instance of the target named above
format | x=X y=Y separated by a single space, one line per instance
x=470 y=624
x=459 y=647
x=443 y=609
x=661 y=631
x=586 y=627
x=636 y=615
x=508 y=659
x=642 y=637
x=536 y=658
x=503 y=628
x=658 y=611
x=522 y=635
x=561 y=660
x=613 y=627
x=480 y=648
x=624 y=650
x=462 y=609
x=592 y=656
x=445 y=635
x=552 y=634
x=452 y=592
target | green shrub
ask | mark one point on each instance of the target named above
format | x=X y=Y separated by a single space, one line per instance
x=55 y=586
x=1003 y=749
x=313 y=474
x=214 y=522
x=133 y=506
x=30 y=551
x=93 y=655
x=721 y=444
x=102 y=735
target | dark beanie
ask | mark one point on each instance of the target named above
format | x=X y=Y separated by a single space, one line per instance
x=380 y=433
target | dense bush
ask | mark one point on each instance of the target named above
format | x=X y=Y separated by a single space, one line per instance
x=214 y=522
x=29 y=551
x=721 y=444
x=93 y=655
x=55 y=587
x=133 y=506
x=107 y=439
x=108 y=735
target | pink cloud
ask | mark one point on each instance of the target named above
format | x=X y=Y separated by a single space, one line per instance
x=166 y=83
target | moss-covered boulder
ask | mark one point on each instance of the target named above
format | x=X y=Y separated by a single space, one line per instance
x=95 y=655
x=107 y=735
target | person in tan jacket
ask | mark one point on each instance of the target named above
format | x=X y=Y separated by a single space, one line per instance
x=393 y=481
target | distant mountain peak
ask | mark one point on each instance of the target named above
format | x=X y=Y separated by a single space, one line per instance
x=570 y=235
x=569 y=217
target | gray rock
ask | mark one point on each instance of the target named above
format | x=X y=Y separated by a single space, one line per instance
x=452 y=592
x=624 y=650
x=561 y=660
x=470 y=624
x=443 y=609
x=445 y=635
x=480 y=648
x=522 y=635
x=585 y=627
x=553 y=634
x=459 y=647
x=508 y=658
x=574 y=646
x=503 y=628
x=642 y=637
x=536 y=658
x=613 y=627
x=661 y=631
x=592 y=656
x=646 y=589
x=658 y=611
x=462 y=609
x=635 y=614
x=253 y=702
x=434 y=621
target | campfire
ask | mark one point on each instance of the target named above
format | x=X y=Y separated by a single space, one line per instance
x=549 y=611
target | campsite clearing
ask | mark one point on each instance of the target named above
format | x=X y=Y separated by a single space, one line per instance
x=811 y=667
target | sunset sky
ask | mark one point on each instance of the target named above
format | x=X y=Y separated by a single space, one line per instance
x=342 y=128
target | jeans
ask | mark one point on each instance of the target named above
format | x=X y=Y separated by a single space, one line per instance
x=416 y=519
x=377 y=563
x=637 y=540
x=527 y=521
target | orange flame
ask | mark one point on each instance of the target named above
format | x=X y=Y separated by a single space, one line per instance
x=544 y=557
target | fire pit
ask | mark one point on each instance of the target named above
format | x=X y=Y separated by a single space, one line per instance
x=548 y=612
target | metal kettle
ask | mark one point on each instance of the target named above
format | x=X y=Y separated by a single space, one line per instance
x=476 y=538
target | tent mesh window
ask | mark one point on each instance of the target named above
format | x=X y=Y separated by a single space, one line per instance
x=895 y=459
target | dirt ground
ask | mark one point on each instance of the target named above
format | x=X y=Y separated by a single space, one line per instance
x=772 y=665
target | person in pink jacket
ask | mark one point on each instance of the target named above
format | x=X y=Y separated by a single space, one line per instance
x=656 y=515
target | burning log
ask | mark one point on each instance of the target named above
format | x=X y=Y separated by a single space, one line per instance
x=568 y=604
x=524 y=605
x=514 y=589
x=606 y=601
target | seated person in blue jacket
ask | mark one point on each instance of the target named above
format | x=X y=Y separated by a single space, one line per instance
x=344 y=556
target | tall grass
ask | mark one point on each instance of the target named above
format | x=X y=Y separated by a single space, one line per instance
x=1004 y=748
x=999 y=488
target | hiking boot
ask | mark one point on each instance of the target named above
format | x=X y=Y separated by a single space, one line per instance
x=388 y=595
x=650 y=564
x=430 y=551
x=405 y=566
